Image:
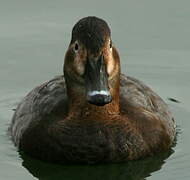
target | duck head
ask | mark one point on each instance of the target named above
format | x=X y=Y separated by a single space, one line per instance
x=92 y=65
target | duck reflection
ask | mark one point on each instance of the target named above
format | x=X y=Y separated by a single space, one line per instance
x=133 y=170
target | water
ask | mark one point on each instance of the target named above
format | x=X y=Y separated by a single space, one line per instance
x=154 y=44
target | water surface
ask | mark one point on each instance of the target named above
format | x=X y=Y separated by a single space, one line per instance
x=154 y=44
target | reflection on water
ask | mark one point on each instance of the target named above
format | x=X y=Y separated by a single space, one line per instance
x=134 y=170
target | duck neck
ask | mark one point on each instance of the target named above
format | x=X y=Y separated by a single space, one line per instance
x=77 y=102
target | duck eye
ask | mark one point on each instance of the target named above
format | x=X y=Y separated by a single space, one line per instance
x=110 y=44
x=76 y=48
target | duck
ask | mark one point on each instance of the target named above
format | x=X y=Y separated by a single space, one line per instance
x=92 y=113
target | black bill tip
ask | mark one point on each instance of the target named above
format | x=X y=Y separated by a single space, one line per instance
x=99 y=98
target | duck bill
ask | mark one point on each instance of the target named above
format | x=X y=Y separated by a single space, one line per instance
x=96 y=81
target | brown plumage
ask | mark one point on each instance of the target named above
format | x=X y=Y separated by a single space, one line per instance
x=92 y=114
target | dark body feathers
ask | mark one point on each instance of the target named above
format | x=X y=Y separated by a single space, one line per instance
x=42 y=127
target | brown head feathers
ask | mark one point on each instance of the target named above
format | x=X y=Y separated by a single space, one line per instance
x=92 y=32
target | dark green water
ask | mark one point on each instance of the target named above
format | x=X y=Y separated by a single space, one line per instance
x=154 y=44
